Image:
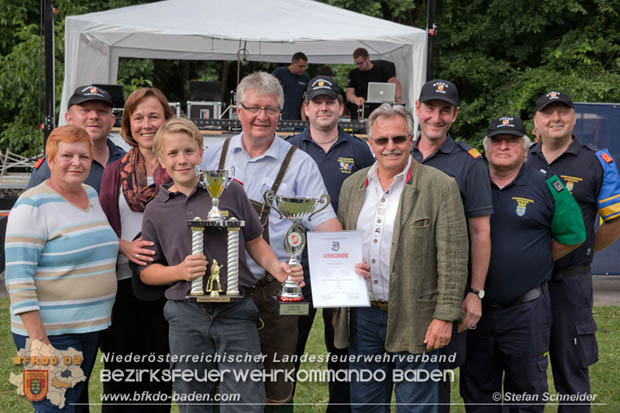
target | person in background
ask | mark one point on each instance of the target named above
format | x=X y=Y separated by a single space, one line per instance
x=294 y=81
x=128 y=185
x=366 y=71
x=61 y=261
x=90 y=108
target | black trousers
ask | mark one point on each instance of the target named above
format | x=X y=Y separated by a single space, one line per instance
x=138 y=328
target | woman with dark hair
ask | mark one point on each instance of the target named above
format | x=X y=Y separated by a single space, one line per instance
x=128 y=185
x=60 y=265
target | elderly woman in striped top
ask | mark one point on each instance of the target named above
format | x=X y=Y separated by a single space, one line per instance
x=61 y=259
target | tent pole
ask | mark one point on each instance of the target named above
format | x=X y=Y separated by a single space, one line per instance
x=50 y=100
x=431 y=31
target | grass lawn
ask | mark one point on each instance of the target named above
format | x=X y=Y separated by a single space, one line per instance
x=605 y=375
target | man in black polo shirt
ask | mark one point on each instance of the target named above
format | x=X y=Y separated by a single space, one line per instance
x=338 y=155
x=535 y=221
x=357 y=85
x=437 y=109
x=591 y=176
x=90 y=108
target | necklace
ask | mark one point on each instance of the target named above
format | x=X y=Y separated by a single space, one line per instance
x=326 y=142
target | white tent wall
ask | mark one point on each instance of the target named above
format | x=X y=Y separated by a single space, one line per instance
x=270 y=31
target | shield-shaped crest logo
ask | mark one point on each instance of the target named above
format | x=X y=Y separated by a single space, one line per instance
x=520 y=210
x=335 y=245
x=35 y=384
x=569 y=186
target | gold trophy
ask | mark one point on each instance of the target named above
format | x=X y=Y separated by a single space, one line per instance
x=291 y=300
x=216 y=181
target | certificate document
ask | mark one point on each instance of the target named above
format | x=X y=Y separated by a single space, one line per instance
x=332 y=258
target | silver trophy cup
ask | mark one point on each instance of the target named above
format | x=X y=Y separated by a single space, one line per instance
x=295 y=208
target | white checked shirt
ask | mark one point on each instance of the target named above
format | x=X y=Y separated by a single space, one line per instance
x=377 y=233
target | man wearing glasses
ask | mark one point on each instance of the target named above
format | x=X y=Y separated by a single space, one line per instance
x=294 y=82
x=437 y=109
x=415 y=248
x=263 y=161
x=366 y=71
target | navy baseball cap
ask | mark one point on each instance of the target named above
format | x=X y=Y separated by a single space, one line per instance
x=440 y=90
x=506 y=125
x=87 y=93
x=552 y=97
x=322 y=85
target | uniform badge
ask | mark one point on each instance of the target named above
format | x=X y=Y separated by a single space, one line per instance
x=473 y=152
x=521 y=205
x=570 y=181
x=558 y=186
x=35 y=384
x=606 y=157
x=38 y=163
x=346 y=165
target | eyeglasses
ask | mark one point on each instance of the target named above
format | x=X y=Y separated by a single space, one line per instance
x=396 y=139
x=254 y=110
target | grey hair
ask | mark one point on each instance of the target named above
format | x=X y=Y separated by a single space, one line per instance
x=388 y=111
x=527 y=142
x=263 y=84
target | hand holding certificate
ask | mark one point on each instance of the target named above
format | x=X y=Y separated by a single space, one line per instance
x=334 y=281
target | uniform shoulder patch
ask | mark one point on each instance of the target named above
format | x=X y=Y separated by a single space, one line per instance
x=606 y=157
x=38 y=163
x=473 y=152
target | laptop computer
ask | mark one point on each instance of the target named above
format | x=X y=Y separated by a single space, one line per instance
x=379 y=92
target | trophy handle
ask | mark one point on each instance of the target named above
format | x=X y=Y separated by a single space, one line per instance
x=230 y=177
x=269 y=197
x=199 y=176
x=325 y=199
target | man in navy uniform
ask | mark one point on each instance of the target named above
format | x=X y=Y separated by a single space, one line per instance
x=437 y=109
x=338 y=155
x=90 y=108
x=294 y=81
x=535 y=221
x=592 y=177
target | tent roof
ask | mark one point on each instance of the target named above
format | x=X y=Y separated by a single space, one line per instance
x=266 y=30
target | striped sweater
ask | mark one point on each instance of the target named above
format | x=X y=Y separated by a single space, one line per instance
x=60 y=260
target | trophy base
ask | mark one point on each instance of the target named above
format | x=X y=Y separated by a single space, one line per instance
x=292 y=307
x=217 y=299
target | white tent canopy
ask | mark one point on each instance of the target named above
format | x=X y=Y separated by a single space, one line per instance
x=270 y=30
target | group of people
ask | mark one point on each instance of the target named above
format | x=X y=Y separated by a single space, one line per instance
x=294 y=82
x=486 y=269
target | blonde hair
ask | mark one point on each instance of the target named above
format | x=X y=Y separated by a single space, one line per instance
x=175 y=125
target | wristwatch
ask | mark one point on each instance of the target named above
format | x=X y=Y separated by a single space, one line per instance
x=479 y=293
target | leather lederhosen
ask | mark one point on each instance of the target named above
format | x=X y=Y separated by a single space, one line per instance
x=278 y=334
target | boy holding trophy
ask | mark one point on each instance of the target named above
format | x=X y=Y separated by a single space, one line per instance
x=209 y=339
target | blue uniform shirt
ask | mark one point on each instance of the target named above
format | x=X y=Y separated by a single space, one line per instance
x=467 y=167
x=521 y=237
x=42 y=172
x=592 y=178
x=346 y=156
x=294 y=87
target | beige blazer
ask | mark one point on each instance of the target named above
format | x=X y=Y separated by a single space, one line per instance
x=428 y=260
